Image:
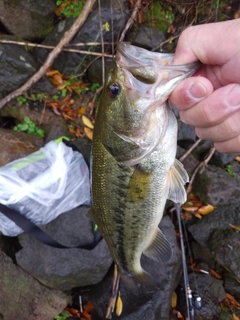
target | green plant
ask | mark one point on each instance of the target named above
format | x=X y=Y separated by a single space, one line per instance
x=229 y=170
x=63 y=315
x=94 y=87
x=70 y=8
x=21 y=100
x=29 y=127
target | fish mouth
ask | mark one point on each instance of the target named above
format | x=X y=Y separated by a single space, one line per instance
x=151 y=69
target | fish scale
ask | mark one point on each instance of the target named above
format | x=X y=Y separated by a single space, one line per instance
x=134 y=169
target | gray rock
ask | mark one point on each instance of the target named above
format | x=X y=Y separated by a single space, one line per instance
x=15 y=145
x=140 y=304
x=146 y=37
x=65 y=269
x=203 y=255
x=22 y=297
x=189 y=162
x=221 y=159
x=94 y=72
x=215 y=186
x=56 y=131
x=84 y=146
x=30 y=19
x=69 y=63
x=215 y=233
x=16 y=66
x=212 y=293
x=186 y=132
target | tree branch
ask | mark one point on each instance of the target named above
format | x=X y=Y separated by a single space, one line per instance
x=68 y=35
x=131 y=19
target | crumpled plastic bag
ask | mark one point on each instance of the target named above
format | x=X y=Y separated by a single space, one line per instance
x=41 y=186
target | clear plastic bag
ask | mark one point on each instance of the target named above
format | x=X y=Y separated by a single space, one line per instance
x=53 y=180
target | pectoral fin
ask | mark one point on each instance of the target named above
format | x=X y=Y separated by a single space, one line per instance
x=177 y=177
x=159 y=249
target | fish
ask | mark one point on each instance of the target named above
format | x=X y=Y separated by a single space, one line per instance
x=134 y=169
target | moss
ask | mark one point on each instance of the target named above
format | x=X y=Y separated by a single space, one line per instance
x=160 y=19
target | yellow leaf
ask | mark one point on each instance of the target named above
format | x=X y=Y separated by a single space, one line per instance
x=87 y=122
x=206 y=209
x=174 y=300
x=88 y=132
x=119 y=305
x=197 y=215
x=81 y=111
x=234 y=227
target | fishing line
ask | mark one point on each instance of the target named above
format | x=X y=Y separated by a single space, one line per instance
x=190 y=253
x=191 y=302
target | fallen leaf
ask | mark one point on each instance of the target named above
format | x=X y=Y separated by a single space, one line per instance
x=88 y=132
x=81 y=111
x=51 y=73
x=235 y=317
x=204 y=210
x=231 y=301
x=85 y=315
x=87 y=122
x=234 y=227
x=72 y=311
x=197 y=215
x=237 y=158
x=215 y=274
x=191 y=209
x=174 y=300
x=178 y=314
x=119 y=305
x=88 y=307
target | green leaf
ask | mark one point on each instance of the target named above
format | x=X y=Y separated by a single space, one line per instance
x=23 y=127
x=26 y=119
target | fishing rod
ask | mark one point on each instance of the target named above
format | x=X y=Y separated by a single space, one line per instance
x=193 y=301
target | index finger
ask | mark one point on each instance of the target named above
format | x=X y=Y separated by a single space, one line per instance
x=209 y=43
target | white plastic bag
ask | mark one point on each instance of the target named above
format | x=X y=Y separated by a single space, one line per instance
x=43 y=185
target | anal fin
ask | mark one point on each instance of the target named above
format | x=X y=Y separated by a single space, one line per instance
x=177 y=177
x=160 y=248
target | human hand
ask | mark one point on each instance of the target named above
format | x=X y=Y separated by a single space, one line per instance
x=210 y=100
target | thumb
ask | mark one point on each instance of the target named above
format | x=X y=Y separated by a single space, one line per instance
x=190 y=91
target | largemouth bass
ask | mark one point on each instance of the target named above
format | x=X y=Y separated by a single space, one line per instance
x=134 y=169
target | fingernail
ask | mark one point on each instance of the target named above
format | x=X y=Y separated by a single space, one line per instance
x=233 y=96
x=197 y=90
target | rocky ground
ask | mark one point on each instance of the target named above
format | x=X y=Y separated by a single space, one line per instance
x=37 y=281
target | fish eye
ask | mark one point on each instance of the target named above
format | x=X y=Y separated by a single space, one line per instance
x=113 y=90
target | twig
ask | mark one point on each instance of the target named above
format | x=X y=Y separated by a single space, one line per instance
x=200 y=166
x=94 y=98
x=101 y=35
x=68 y=35
x=113 y=298
x=37 y=45
x=171 y=38
x=184 y=156
x=131 y=19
